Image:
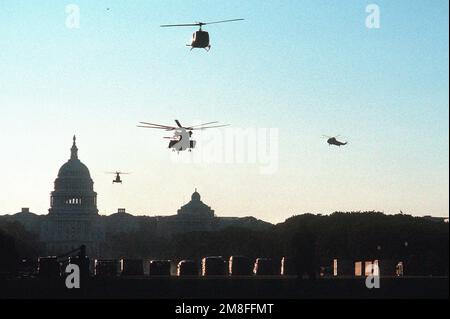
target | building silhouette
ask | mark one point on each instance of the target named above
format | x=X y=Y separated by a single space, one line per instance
x=73 y=218
x=193 y=216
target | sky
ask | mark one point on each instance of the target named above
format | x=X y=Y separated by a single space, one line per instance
x=300 y=68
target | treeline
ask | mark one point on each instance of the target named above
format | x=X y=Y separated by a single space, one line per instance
x=371 y=235
x=16 y=244
x=315 y=239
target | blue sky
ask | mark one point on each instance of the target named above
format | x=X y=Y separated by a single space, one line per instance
x=305 y=67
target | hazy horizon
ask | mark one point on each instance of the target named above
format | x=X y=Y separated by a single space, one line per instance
x=305 y=68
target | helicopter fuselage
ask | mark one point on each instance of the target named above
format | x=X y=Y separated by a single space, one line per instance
x=200 y=40
x=117 y=180
x=182 y=141
x=334 y=141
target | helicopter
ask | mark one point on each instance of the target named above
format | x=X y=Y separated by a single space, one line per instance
x=117 y=179
x=200 y=38
x=332 y=140
x=181 y=139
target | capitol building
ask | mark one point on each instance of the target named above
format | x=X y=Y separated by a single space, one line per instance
x=73 y=218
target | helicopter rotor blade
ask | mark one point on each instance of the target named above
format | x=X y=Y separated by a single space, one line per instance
x=223 y=21
x=197 y=24
x=118 y=173
x=172 y=128
x=194 y=126
x=206 y=127
x=152 y=124
x=180 y=25
x=158 y=128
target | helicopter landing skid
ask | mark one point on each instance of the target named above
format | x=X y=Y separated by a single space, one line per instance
x=206 y=48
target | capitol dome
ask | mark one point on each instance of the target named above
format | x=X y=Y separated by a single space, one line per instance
x=74 y=168
x=74 y=188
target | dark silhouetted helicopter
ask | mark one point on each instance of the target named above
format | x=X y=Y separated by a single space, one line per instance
x=200 y=38
x=181 y=139
x=117 y=180
x=334 y=141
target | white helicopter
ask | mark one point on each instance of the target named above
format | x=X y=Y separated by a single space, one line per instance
x=181 y=139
